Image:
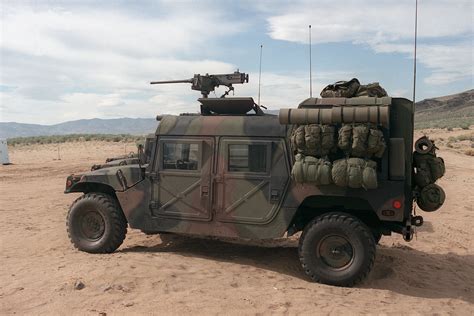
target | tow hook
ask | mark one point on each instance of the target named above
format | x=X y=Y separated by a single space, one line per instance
x=417 y=221
x=408 y=231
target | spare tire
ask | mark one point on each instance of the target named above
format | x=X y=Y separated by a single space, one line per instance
x=423 y=145
x=431 y=198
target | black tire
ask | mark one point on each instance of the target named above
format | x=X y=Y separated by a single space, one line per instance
x=337 y=249
x=96 y=223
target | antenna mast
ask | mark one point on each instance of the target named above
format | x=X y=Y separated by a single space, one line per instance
x=310 y=74
x=260 y=74
x=414 y=55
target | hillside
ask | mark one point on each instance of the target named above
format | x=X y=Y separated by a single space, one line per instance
x=138 y=126
x=456 y=110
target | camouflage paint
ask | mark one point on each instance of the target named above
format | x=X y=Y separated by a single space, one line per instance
x=216 y=202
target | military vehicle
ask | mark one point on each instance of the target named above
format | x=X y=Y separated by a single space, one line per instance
x=230 y=172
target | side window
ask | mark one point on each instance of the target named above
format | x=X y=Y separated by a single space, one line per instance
x=247 y=158
x=180 y=156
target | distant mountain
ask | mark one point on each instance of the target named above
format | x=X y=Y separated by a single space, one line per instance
x=138 y=126
x=456 y=110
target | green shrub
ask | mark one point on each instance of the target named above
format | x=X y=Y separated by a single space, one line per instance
x=56 y=139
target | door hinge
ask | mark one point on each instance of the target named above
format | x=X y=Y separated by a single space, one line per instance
x=154 y=204
x=153 y=176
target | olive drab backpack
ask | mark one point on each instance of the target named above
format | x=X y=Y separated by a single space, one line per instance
x=353 y=88
x=341 y=89
x=371 y=90
x=314 y=140
x=355 y=173
x=361 y=140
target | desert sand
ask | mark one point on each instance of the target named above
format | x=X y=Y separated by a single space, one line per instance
x=40 y=270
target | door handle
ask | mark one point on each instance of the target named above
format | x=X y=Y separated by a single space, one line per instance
x=204 y=190
x=274 y=195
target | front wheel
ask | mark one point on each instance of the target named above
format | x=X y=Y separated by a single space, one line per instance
x=96 y=224
x=337 y=249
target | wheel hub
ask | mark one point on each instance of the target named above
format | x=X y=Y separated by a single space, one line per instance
x=335 y=251
x=92 y=225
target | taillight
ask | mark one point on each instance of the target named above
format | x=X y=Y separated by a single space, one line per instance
x=397 y=204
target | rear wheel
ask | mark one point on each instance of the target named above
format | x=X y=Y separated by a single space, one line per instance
x=337 y=249
x=96 y=224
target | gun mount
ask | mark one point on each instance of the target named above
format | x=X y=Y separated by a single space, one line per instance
x=207 y=83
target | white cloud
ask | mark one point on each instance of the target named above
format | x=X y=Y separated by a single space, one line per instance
x=368 y=20
x=61 y=63
x=386 y=26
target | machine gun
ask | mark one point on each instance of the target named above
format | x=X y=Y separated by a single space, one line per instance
x=207 y=83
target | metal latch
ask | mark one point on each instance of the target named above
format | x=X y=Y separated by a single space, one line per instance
x=274 y=195
x=154 y=204
x=153 y=176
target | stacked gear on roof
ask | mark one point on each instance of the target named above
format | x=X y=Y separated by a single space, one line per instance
x=353 y=88
x=428 y=168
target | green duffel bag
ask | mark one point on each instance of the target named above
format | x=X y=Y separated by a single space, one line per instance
x=375 y=143
x=312 y=134
x=423 y=175
x=324 y=172
x=431 y=198
x=360 y=133
x=310 y=168
x=297 y=172
x=369 y=175
x=429 y=168
x=371 y=90
x=328 y=139
x=355 y=167
x=339 y=172
x=437 y=167
x=344 y=141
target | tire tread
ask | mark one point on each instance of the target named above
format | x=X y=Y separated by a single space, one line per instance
x=356 y=224
x=118 y=221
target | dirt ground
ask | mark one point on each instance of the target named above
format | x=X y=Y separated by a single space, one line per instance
x=39 y=268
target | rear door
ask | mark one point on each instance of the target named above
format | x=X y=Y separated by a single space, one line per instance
x=182 y=182
x=252 y=175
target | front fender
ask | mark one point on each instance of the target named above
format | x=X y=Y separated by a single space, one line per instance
x=118 y=178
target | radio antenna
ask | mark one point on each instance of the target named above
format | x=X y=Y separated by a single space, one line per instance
x=414 y=53
x=260 y=73
x=310 y=73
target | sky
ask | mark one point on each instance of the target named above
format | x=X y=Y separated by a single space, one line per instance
x=79 y=59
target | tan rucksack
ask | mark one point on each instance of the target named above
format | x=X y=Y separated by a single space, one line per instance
x=361 y=140
x=355 y=173
x=314 y=140
x=371 y=90
x=308 y=169
x=341 y=89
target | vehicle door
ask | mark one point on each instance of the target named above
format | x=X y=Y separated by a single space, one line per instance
x=182 y=181
x=252 y=176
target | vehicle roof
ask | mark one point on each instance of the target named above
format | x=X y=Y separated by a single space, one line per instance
x=315 y=102
x=221 y=125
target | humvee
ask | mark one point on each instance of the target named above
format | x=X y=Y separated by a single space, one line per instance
x=227 y=173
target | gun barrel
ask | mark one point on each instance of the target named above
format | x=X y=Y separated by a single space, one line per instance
x=173 y=81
